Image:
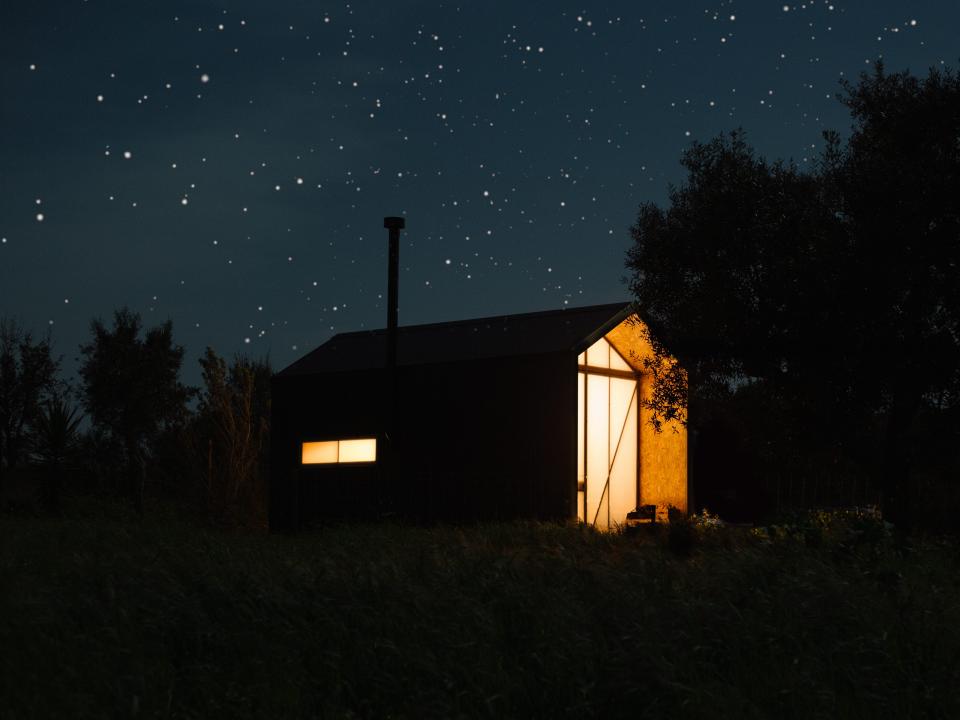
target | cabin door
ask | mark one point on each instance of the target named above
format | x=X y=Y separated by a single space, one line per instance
x=607 y=431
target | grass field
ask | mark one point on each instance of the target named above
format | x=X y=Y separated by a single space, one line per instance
x=104 y=615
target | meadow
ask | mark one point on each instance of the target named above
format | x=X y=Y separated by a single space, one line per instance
x=104 y=614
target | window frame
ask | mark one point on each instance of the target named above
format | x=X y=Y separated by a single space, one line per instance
x=338 y=462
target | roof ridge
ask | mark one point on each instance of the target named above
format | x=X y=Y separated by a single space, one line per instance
x=544 y=331
x=473 y=321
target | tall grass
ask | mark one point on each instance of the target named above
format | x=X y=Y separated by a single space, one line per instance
x=114 y=617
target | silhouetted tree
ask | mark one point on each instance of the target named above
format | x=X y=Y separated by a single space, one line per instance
x=728 y=280
x=132 y=389
x=899 y=180
x=55 y=444
x=102 y=457
x=28 y=378
x=233 y=427
x=830 y=294
x=716 y=275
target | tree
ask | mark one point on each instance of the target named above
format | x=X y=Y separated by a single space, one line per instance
x=55 y=443
x=716 y=275
x=132 y=390
x=900 y=183
x=28 y=379
x=830 y=294
x=233 y=423
x=57 y=431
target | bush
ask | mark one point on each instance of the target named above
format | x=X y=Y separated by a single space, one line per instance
x=845 y=528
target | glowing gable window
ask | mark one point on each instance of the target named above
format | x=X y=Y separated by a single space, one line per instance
x=327 y=452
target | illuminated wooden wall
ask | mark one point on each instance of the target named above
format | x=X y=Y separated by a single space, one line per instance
x=622 y=461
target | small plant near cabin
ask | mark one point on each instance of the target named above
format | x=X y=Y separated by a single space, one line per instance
x=842 y=528
x=681 y=532
x=684 y=532
x=705 y=521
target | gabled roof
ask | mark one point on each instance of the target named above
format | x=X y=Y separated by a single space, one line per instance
x=570 y=330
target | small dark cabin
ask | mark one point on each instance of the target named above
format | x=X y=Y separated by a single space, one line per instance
x=534 y=416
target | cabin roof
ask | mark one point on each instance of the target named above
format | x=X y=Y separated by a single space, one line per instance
x=570 y=330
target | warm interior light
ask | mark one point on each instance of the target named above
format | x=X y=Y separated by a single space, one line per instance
x=617 y=362
x=328 y=452
x=319 y=453
x=361 y=450
x=606 y=437
x=598 y=354
x=615 y=438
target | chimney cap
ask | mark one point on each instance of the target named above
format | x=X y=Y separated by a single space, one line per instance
x=394 y=222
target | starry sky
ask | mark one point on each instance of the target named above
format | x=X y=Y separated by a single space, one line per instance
x=227 y=165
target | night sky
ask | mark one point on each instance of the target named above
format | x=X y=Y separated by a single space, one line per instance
x=228 y=165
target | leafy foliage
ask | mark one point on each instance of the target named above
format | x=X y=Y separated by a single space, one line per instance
x=28 y=379
x=832 y=297
x=233 y=428
x=726 y=258
x=56 y=443
x=131 y=383
x=132 y=388
x=57 y=432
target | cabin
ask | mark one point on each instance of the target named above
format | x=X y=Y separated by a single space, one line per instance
x=535 y=415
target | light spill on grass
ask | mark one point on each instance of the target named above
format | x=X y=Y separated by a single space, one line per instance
x=113 y=617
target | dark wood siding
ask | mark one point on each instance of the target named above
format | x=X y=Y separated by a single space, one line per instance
x=475 y=440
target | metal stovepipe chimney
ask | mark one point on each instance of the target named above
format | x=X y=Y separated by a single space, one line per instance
x=389 y=450
x=394 y=225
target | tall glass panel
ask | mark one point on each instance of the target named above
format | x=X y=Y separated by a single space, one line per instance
x=623 y=448
x=597 y=450
x=607 y=445
x=581 y=384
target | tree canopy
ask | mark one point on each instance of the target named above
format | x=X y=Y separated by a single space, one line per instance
x=232 y=426
x=28 y=379
x=131 y=383
x=834 y=291
x=132 y=388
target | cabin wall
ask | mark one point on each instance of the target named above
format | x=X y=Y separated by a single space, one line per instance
x=493 y=439
x=322 y=407
x=663 y=460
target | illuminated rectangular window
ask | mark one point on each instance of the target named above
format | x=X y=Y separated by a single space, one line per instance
x=327 y=452
x=361 y=450
x=320 y=453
